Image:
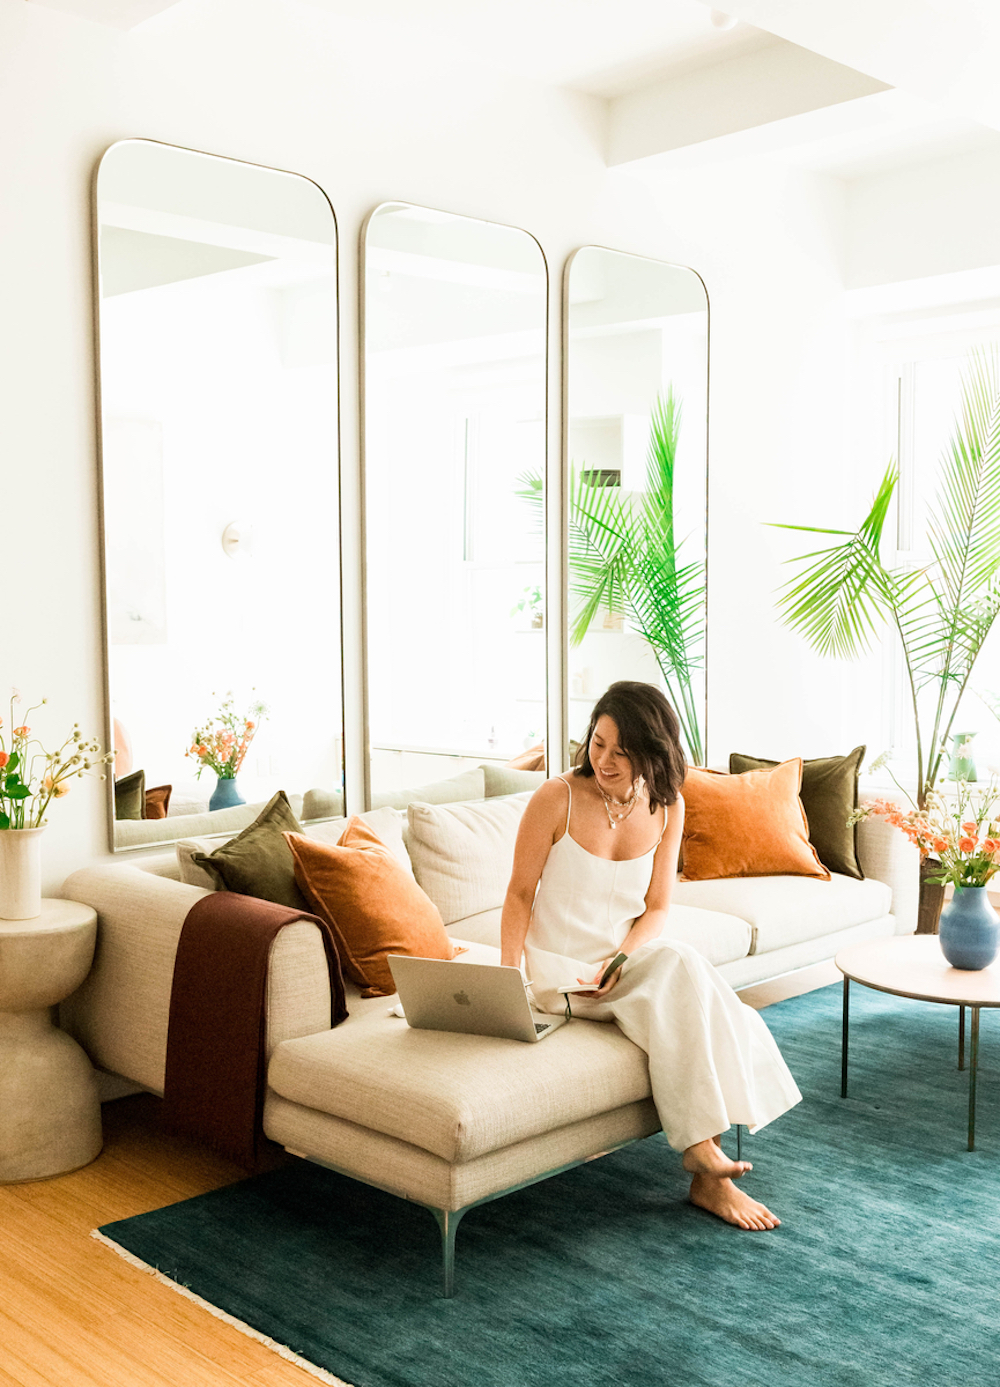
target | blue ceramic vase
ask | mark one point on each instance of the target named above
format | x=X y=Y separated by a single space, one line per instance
x=970 y=930
x=225 y=794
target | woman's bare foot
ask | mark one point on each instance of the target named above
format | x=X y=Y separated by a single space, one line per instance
x=708 y=1158
x=722 y=1198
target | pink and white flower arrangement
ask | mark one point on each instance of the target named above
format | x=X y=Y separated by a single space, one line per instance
x=222 y=743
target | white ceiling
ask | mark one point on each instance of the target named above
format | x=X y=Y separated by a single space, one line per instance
x=942 y=53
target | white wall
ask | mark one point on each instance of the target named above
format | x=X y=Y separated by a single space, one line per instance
x=358 y=109
x=769 y=242
x=369 y=116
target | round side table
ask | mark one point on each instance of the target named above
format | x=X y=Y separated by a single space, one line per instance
x=48 y=1090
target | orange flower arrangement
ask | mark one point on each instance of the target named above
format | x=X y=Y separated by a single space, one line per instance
x=23 y=802
x=963 y=833
x=223 y=742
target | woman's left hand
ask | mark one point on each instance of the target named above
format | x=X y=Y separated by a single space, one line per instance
x=600 y=992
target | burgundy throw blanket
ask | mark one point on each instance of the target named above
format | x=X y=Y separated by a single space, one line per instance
x=215 y=1079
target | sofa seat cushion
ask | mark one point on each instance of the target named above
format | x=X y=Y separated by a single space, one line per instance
x=719 y=937
x=787 y=910
x=459 y=1096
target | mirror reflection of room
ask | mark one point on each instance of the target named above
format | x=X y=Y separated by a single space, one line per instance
x=454 y=421
x=218 y=360
x=637 y=374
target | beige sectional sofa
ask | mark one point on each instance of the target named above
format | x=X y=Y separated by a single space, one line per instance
x=449 y=1120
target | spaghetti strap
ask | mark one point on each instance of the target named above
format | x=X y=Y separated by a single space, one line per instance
x=664 y=828
x=569 y=806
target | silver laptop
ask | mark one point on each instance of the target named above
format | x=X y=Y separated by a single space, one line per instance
x=474 y=998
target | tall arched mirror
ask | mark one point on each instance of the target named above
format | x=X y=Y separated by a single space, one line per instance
x=454 y=314
x=217 y=302
x=637 y=444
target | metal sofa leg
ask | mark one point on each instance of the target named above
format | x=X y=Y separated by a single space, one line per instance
x=448 y=1221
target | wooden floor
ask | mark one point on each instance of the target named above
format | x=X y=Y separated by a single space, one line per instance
x=74 y=1314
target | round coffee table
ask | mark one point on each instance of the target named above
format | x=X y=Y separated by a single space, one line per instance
x=48 y=1090
x=913 y=966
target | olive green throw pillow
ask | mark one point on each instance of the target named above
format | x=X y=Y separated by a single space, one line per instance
x=829 y=796
x=258 y=861
x=130 y=796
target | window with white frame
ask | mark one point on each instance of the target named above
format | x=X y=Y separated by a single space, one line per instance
x=914 y=364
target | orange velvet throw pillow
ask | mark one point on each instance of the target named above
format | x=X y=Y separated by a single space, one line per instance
x=373 y=906
x=749 y=825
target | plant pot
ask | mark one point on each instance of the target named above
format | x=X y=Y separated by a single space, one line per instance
x=20 y=873
x=226 y=794
x=931 y=897
x=970 y=930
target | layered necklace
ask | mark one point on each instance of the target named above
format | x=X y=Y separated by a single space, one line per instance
x=623 y=806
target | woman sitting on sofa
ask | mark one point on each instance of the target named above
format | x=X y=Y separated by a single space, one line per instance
x=594 y=868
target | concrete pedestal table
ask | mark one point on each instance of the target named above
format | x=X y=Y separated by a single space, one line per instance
x=50 y=1112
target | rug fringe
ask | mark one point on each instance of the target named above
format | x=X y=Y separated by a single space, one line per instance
x=281 y=1350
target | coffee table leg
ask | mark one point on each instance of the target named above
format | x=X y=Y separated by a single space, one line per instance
x=961 y=1037
x=843 y=1037
x=973 y=1066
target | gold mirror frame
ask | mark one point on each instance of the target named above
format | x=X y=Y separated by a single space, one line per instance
x=211 y=566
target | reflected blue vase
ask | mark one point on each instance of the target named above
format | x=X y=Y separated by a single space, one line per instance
x=970 y=930
x=225 y=794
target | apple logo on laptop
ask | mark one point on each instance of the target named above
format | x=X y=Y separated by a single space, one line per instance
x=462 y=999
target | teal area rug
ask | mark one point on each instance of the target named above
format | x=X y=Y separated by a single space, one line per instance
x=884 y=1272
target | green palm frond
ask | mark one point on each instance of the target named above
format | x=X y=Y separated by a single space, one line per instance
x=840 y=599
x=624 y=558
x=943 y=611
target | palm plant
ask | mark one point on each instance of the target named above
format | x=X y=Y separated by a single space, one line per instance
x=942 y=611
x=624 y=557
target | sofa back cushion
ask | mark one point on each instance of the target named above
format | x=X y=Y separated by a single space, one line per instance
x=462 y=854
x=508 y=780
x=468 y=785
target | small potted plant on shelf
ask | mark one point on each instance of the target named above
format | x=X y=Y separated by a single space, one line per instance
x=532 y=605
x=221 y=745
x=30 y=779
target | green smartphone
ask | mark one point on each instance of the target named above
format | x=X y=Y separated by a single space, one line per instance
x=613 y=967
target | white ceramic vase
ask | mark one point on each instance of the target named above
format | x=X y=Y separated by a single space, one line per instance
x=20 y=873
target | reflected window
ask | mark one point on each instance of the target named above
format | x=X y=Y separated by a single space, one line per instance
x=637 y=419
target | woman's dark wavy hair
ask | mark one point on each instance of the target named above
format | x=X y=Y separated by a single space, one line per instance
x=648 y=733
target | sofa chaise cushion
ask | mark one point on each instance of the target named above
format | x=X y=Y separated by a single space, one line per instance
x=787 y=910
x=460 y=1096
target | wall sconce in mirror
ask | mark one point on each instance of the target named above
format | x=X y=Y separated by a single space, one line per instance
x=237 y=540
x=217 y=315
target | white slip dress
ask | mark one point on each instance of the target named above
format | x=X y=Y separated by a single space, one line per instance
x=712 y=1060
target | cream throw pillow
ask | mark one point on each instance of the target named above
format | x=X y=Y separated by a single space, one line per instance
x=462 y=854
